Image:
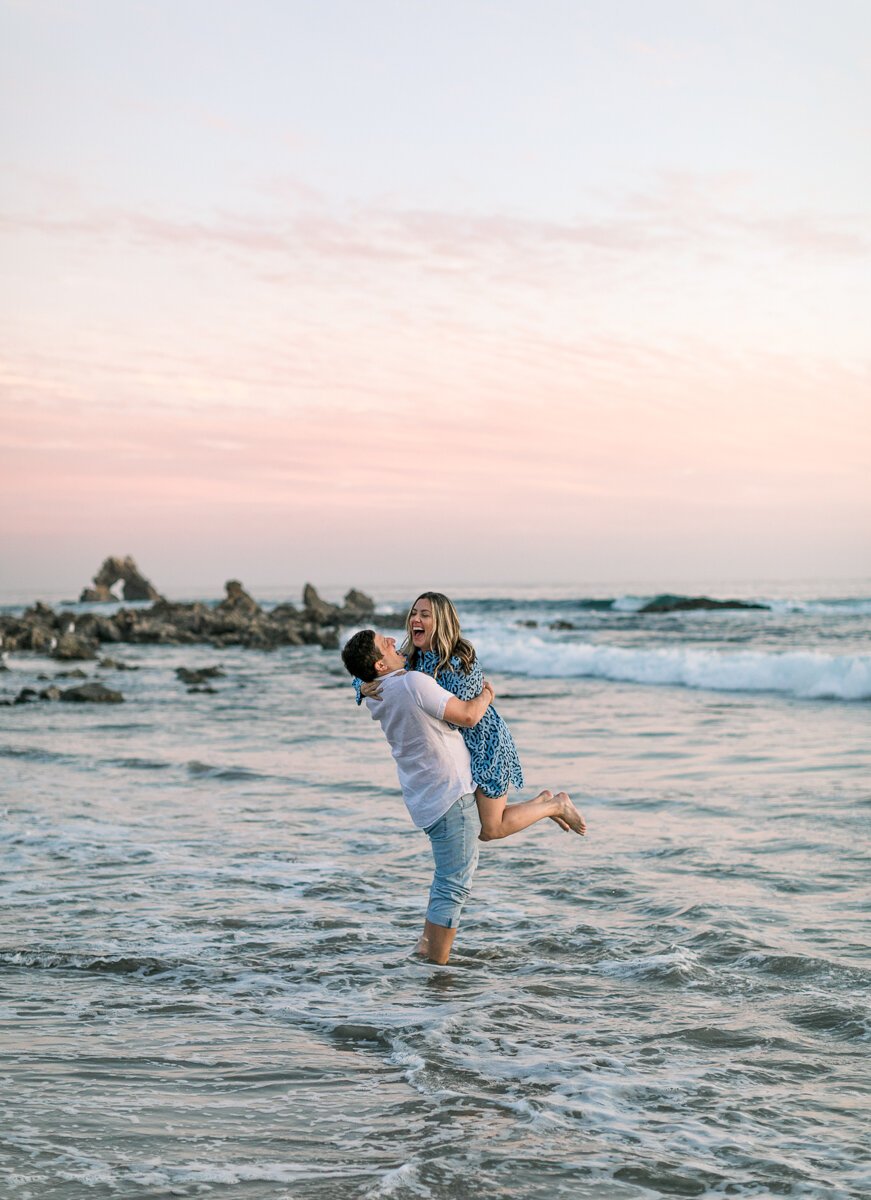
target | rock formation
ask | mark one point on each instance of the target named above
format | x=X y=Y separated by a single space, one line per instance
x=237 y=620
x=113 y=570
x=92 y=693
x=668 y=603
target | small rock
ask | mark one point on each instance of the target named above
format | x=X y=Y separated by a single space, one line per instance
x=50 y=693
x=561 y=625
x=205 y=690
x=99 y=628
x=290 y=635
x=284 y=611
x=115 y=664
x=359 y=603
x=237 y=600
x=93 y=693
x=318 y=610
x=71 y=646
x=147 y=630
x=93 y=595
x=194 y=677
x=26 y=695
x=38 y=638
x=76 y=673
x=528 y=624
x=40 y=612
x=391 y=620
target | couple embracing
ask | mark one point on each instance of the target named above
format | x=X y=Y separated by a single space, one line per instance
x=454 y=754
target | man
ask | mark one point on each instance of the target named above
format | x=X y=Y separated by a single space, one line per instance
x=432 y=761
x=434 y=773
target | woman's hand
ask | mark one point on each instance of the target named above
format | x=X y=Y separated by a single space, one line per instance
x=371 y=690
x=488 y=688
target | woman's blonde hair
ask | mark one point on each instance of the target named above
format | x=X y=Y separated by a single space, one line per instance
x=447 y=641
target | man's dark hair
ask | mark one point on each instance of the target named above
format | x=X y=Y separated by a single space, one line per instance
x=360 y=655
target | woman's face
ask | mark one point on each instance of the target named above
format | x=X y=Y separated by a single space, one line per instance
x=421 y=623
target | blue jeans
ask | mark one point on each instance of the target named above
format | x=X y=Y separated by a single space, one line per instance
x=454 y=841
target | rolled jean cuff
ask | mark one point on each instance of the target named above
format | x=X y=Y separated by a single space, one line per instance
x=454 y=841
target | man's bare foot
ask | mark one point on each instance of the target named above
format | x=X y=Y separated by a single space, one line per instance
x=568 y=816
x=435 y=942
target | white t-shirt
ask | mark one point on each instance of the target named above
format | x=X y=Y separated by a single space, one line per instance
x=431 y=757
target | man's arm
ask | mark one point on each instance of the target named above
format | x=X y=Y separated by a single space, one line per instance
x=468 y=713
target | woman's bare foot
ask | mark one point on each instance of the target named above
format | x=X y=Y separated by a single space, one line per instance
x=568 y=816
x=547 y=794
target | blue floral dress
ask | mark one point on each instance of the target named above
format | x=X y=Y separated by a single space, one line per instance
x=495 y=762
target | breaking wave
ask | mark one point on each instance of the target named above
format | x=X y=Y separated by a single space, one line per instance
x=806 y=674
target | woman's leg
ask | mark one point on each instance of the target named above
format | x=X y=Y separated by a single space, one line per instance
x=500 y=819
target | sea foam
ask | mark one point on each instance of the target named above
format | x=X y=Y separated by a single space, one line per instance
x=802 y=673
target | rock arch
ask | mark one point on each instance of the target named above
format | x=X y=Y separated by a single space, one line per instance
x=113 y=570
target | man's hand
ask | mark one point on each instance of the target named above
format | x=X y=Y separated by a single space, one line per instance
x=467 y=713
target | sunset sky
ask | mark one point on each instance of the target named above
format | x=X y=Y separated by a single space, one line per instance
x=387 y=291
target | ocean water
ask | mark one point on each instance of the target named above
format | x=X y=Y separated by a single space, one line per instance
x=209 y=904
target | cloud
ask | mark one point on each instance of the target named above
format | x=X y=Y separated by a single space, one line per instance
x=804 y=233
x=679 y=212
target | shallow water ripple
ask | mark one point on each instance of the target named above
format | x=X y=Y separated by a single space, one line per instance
x=206 y=984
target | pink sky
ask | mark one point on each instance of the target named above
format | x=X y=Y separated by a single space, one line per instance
x=587 y=490
x=505 y=343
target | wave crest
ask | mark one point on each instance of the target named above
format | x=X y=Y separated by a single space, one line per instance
x=806 y=674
